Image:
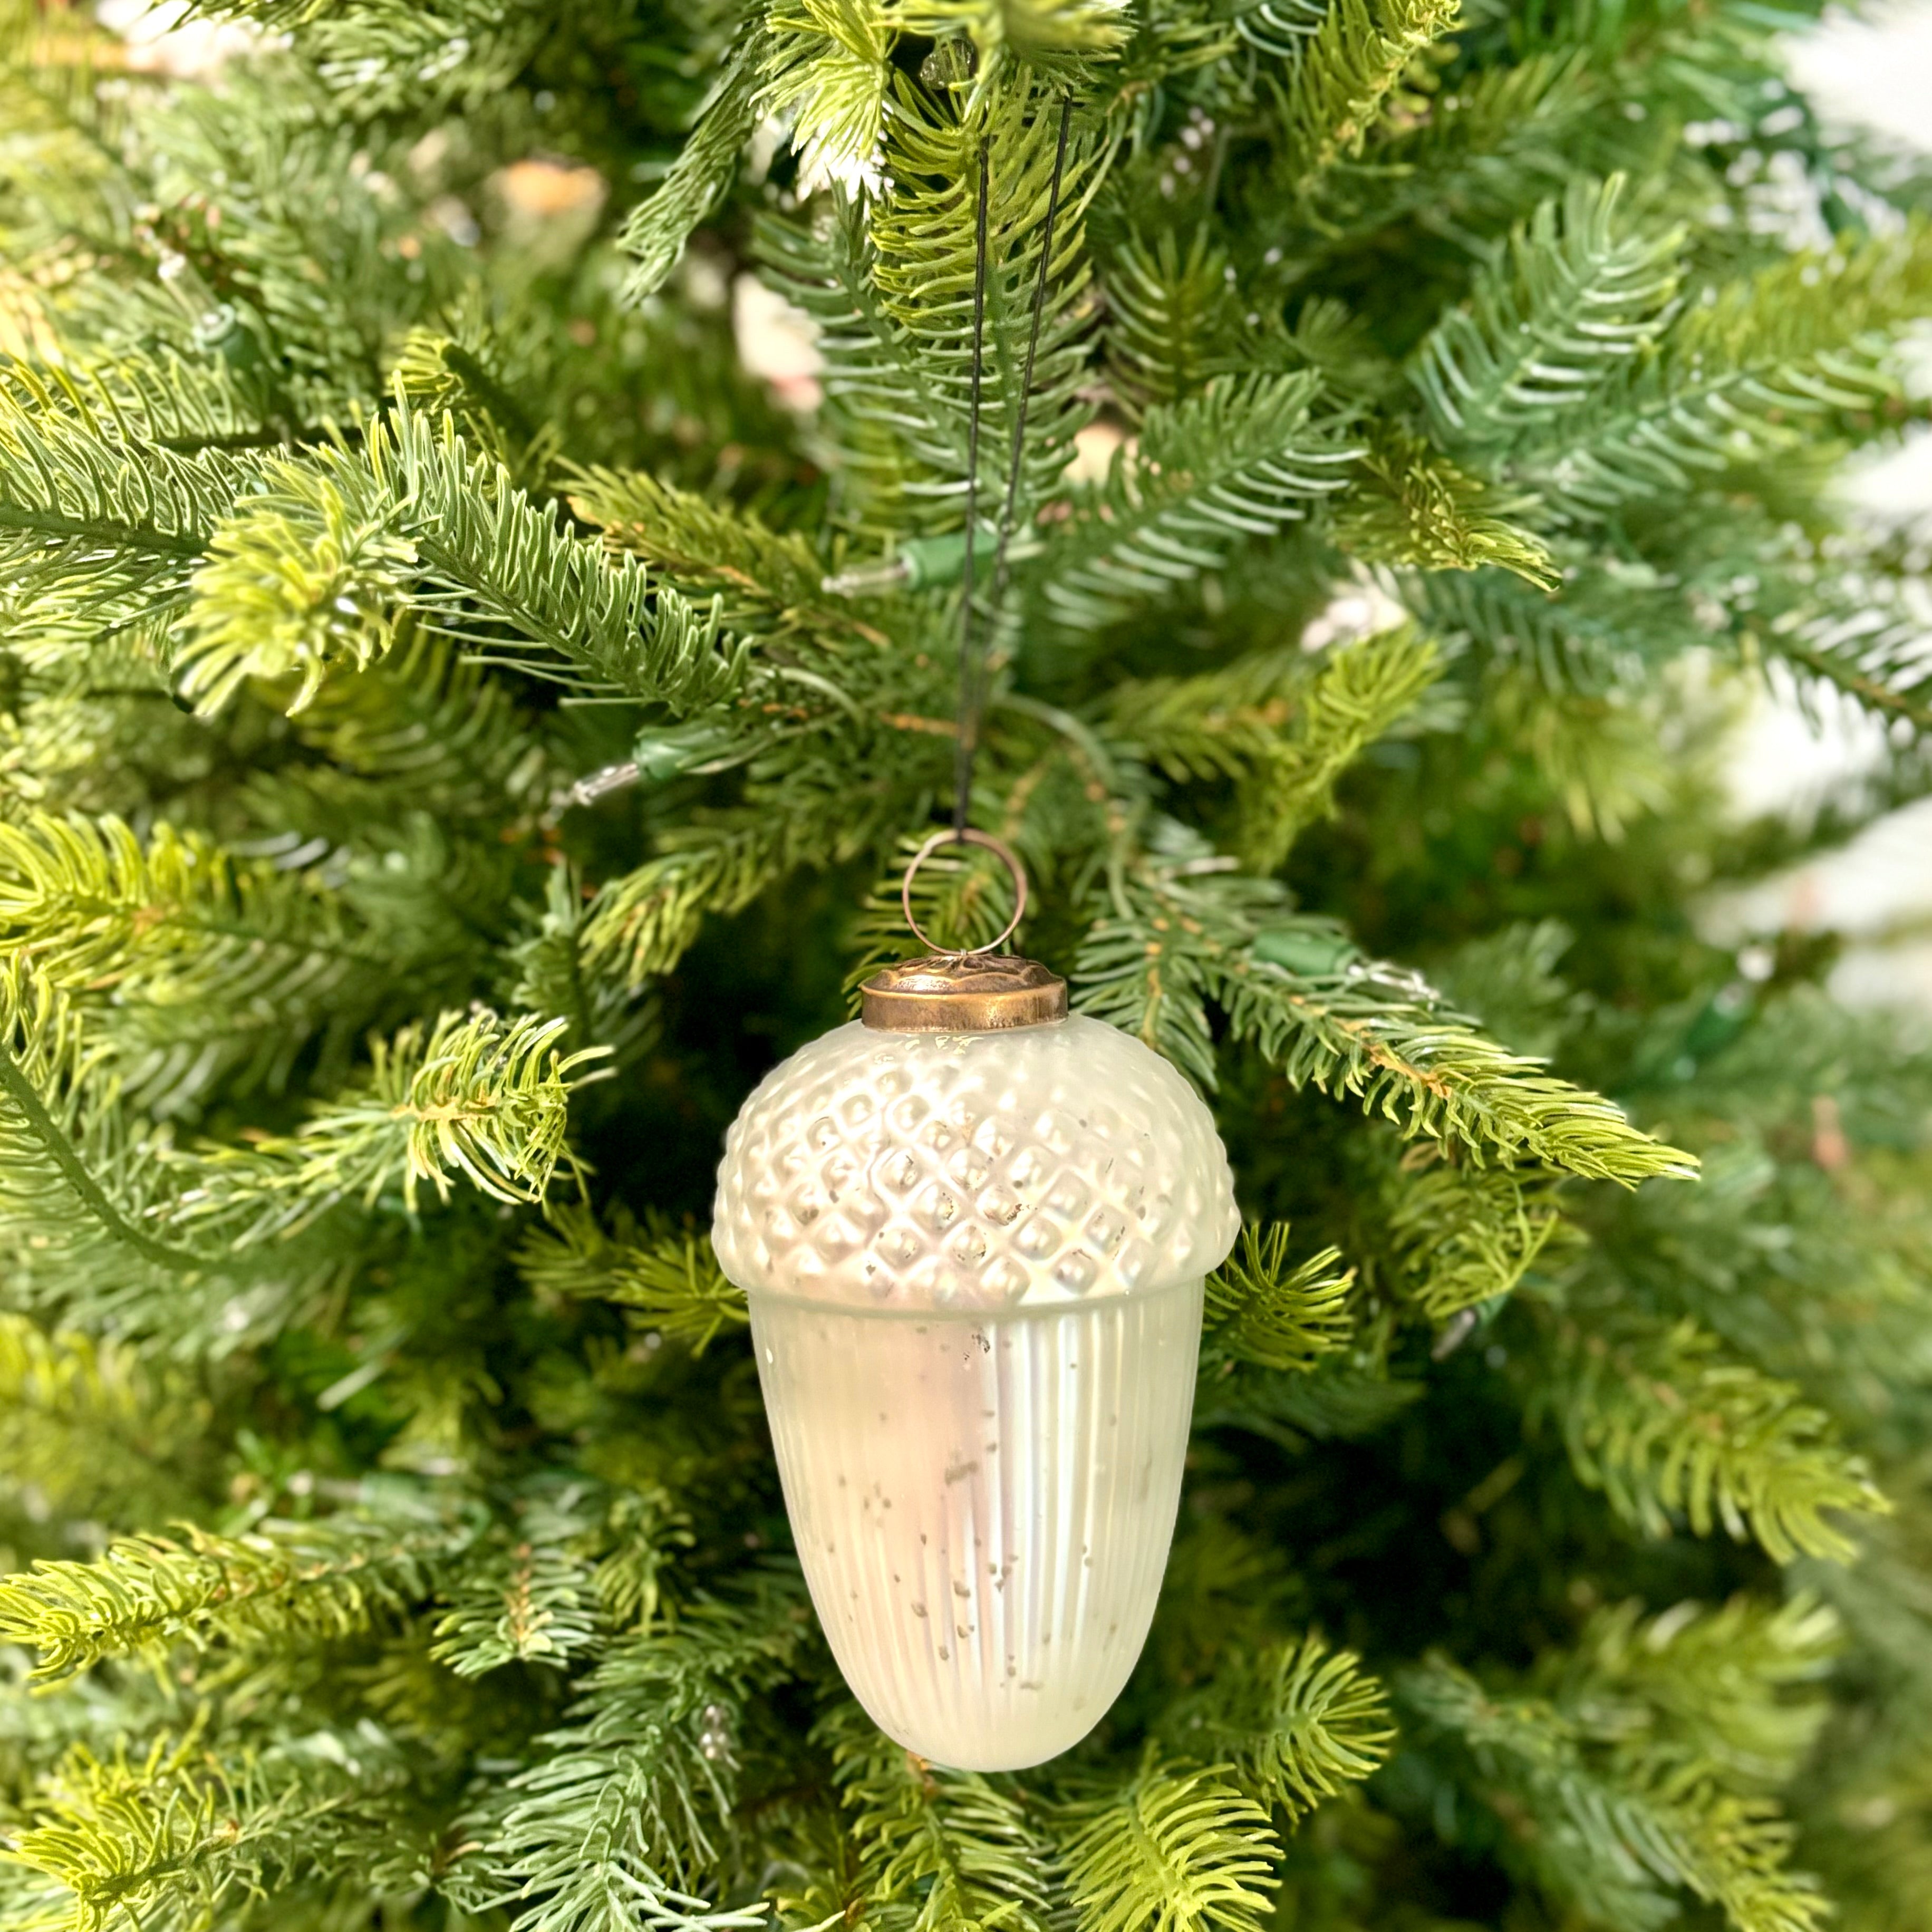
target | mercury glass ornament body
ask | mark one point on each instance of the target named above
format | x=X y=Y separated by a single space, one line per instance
x=973 y=1234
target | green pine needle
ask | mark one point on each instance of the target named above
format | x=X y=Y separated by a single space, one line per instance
x=1346 y=77
x=1580 y=290
x=1422 y=1066
x=1460 y=1235
x=936 y=1848
x=625 y=1810
x=1170 y=1849
x=1416 y=507
x=1298 y=1724
x=1262 y=1309
x=312 y=1580
x=1657 y=1418
x=303 y=577
x=1622 y=1829
x=656 y=230
x=1242 y=459
x=528 y=1594
x=667 y=1279
x=1282 y=725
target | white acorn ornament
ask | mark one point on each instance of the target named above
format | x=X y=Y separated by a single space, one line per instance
x=973 y=1230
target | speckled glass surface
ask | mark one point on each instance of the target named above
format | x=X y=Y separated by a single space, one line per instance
x=1041 y=1167
x=982 y=1505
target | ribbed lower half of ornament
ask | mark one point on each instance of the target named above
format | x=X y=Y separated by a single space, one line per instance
x=982 y=1506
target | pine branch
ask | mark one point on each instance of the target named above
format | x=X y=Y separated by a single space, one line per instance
x=1173 y=320
x=1176 y=1850
x=1716 y=574
x=379 y=58
x=556 y=980
x=458 y=370
x=303 y=575
x=309 y=1580
x=1509 y=980
x=1297 y=1723
x=424 y=731
x=828 y=71
x=656 y=230
x=135 y=1233
x=474 y=1097
x=1045 y=32
x=897 y=433
x=1414 y=507
x=888 y=281
x=1596 y=634
x=526 y=1592
x=1282 y=725
x=1733 y=379
x=1402 y=1053
x=1221 y=723
x=642 y=1532
x=641 y=924
x=1884 y=667
x=936 y=1849
x=1186 y=930
x=826 y=1886
x=87 y=1427
x=1612 y=1836
x=1262 y=1310
x=65 y=1173
x=924 y=264
x=1242 y=459
x=88 y=907
x=1146 y=964
x=1490 y=150
x=770 y=583
x=1655 y=1417
x=98 y=526
x=158 y=397
x=1460 y=1236
x=1276 y=27
x=1579 y=289
x=499 y=556
x=1860 y=632
x=307 y=560
x=932 y=228
x=1358 y=693
x=178 y=1836
x=1741 y=1687
x=180 y=943
x=1336 y=1402
x=666 y=1278
x=299 y=299
x=1346 y=78
x=626 y=1809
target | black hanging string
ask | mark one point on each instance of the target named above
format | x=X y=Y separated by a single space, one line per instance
x=967 y=743
x=1013 y=468
x=973 y=667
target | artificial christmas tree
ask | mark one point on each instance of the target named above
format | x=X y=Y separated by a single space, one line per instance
x=459 y=730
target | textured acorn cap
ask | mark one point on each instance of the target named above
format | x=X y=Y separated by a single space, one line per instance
x=1033 y=1166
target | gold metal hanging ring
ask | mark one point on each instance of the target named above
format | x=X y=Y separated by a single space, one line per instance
x=966 y=836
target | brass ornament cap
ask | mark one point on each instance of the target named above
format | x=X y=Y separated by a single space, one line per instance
x=963 y=992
